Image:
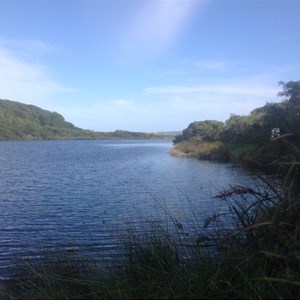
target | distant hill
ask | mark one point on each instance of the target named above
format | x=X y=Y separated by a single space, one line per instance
x=20 y=121
x=169 y=133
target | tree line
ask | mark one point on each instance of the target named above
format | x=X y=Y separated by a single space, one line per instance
x=261 y=132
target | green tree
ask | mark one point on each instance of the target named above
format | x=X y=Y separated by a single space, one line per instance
x=208 y=131
x=237 y=129
x=291 y=90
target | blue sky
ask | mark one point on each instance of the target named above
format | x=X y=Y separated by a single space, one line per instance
x=153 y=65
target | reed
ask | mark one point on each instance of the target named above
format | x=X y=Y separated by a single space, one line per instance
x=201 y=149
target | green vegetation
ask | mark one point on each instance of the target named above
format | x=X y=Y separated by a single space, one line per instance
x=27 y=122
x=204 y=131
x=248 y=138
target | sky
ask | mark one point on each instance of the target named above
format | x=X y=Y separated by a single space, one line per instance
x=147 y=65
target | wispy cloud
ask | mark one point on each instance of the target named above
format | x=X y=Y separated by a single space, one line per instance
x=215 y=101
x=173 y=112
x=214 y=89
x=173 y=107
x=28 y=48
x=24 y=80
x=29 y=44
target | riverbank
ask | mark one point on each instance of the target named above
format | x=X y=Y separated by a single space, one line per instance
x=253 y=157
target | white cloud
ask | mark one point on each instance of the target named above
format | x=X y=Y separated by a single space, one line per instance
x=166 y=112
x=25 y=81
x=174 y=107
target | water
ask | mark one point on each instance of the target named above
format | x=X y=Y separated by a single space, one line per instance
x=62 y=193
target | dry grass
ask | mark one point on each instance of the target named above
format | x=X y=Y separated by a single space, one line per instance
x=200 y=149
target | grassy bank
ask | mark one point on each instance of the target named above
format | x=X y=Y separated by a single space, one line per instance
x=202 y=150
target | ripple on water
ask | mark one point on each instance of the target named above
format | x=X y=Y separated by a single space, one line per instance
x=86 y=194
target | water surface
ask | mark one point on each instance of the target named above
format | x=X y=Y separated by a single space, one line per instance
x=57 y=193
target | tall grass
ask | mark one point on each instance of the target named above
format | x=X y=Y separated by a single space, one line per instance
x=201 y=150
x=263 y=250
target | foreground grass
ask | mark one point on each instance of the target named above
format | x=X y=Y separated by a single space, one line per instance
x=257 y=259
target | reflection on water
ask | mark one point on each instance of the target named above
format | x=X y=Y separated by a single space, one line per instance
x=84 y=193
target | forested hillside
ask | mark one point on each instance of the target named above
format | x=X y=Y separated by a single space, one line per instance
x=261 y=135
x=27 y=122
x=21 y=121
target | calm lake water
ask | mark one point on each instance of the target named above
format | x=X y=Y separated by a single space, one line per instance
x=58 y=193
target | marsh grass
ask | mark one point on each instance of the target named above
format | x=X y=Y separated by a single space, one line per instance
x=201 y=149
